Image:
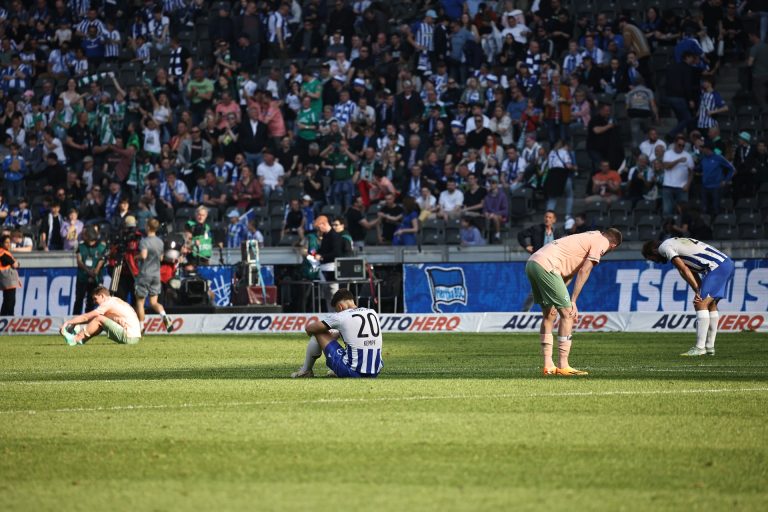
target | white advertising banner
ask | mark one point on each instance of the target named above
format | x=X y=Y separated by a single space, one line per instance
x=275 y=323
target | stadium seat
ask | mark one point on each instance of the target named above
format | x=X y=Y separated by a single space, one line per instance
x=622 y=223
x=520 y=204
x=599 y=221
x=259 y=212
x=331 y=210
x=630 y=235
x=213 y=215
x=646 y=223
x=648 y=232
x=452 y=231
x=645 y=207
x=288 y=240
x=724 y=219
x=595 y=209
x=746 y=205
x=724 y=232
x=432 y=232
x=374 y=209
x=277 y=210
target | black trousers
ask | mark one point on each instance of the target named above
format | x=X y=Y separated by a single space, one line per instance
x=9 y=302
x=83 y=290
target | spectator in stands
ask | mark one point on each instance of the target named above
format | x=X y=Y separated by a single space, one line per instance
x=606 y=185
x=358 y=224
x=427 y=204
x=682 y=91
x=496 y=208
x=469 y=234
x=271 y=174
x=716 y=173
x=678 y=175
x=339 y=161
x=558 y=180
x=577 y=225
x=474 y=195
x=14 y=172
x=451 y=200
x=247 y=191
x=21 y=242
x=293 y=223
x=71 y=230
x=642 y=181
x=604 y=139
x=390 y=215
x=641 y=109
x=744 y=182
x=536 y=236
x=648 y=146
x=50 y=229
x=711 y=104
x=406 y=232
x=758 y=64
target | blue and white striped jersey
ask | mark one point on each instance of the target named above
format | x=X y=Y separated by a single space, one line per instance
x=709 y=101
x=697 y=256
x=361 y=331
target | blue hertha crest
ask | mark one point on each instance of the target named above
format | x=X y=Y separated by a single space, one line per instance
x=447 y=286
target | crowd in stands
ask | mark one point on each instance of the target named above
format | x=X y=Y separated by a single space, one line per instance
x=437 y=121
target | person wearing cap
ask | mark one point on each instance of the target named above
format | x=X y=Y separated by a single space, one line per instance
x=90 y=263
x=237 y=232
x=716 y=173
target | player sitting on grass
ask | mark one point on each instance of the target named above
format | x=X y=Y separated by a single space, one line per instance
x=547 y=269
x=112 y=315
x=361 y=331
x=707 y=271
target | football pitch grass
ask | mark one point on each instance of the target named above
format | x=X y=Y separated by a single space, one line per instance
x=455 y=422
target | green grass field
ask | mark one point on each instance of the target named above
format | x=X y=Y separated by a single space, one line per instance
x=455 y=422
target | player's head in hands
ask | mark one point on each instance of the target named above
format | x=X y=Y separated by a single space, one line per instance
x=343 y=299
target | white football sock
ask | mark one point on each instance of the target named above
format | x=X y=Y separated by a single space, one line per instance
x=313 y=352
x=702 y=326
x=714 y=318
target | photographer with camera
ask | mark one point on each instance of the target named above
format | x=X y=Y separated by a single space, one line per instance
x=90 y=261
x=148 y=279
x=123 y=250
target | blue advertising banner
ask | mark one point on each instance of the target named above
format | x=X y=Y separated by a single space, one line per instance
x=622 y=286
x=51 y=292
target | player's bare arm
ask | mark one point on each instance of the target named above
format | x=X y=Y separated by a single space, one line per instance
x=686 y=273
x=316 y=328
x=581 y=278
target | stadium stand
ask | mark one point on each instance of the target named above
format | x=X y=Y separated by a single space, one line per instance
x=102 y=100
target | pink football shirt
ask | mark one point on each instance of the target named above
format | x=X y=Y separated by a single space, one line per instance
x=565 y=255
x=116 y=309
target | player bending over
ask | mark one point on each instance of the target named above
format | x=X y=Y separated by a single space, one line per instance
x=707 y=271
x=547 y=270
x=360 y=329
x=112 y=315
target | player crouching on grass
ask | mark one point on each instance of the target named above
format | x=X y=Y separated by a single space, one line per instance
x=361 y=332
x=707 y=271
x=112 y=315
x=547 y=270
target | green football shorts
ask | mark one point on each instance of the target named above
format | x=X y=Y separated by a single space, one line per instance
x=116 y=333
x=548 y=287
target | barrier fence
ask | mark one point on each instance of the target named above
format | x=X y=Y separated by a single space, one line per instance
x=251 y=324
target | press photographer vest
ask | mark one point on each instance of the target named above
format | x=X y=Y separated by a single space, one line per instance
x=202 y=242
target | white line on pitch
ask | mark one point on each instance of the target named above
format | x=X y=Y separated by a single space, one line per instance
x=139 y=407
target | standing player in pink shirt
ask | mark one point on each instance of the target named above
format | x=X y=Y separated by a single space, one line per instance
x=112 y=315
x=547 y=270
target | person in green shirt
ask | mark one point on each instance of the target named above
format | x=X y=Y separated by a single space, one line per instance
x=200 y=92
x=341 y=162
x=313 y=87
x=90 y=261
x=307 y=124
x=199 y=237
